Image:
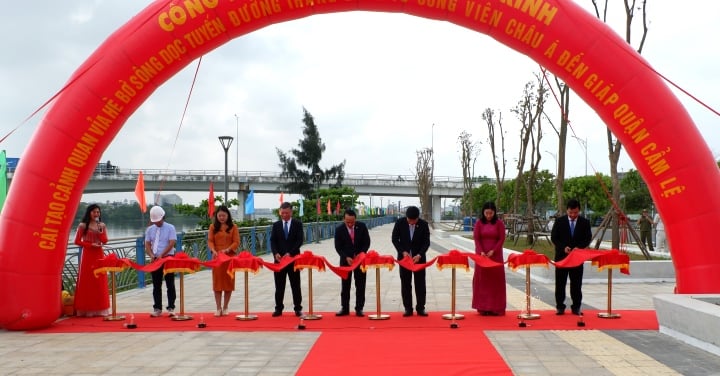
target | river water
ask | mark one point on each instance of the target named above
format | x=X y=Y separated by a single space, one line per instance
x=125 y=229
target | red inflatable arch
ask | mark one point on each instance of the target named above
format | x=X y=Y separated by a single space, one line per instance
x=655 y=129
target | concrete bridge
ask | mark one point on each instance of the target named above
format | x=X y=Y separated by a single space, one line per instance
x=108 y=180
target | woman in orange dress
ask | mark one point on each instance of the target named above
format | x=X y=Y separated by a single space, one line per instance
x=91 y=293
x=223 y=237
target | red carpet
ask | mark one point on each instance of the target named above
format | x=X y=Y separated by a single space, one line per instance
x=402 y=352
x=630 y=320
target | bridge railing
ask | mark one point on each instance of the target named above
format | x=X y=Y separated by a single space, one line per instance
x=254 y=239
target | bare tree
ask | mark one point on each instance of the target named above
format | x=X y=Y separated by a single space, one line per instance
x=614 y=145
x=468 y=156
x=529 y=111
x=424 y=180
x=496 y=129
x=561 y=132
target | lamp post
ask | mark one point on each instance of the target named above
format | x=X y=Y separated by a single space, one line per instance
x=237 y=146
x=226 y=141
x=317 y=205
x=585 y=146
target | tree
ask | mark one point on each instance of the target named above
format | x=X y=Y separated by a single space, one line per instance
x=614 y=145
x=468 y=155
x=309 y=155
x=562 y=133
x=424 y=180
x=590 y=190
x=493 y=130
x=530 y=112
x=637 y=195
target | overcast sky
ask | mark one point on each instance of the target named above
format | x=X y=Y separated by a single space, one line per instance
x=375 y=84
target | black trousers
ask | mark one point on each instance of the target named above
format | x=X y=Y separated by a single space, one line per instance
x=406 y=277
x=157 y=279
x=360 y=279
x=294 y=278
x=561 y=277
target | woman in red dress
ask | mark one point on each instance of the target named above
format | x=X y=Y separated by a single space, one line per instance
x=91 y=293
x=489 y=297
x=223 y=237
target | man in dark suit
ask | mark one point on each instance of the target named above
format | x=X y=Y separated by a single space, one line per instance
x=570 y=232
x=351 y=239
x=286 y=238
x=411 y=238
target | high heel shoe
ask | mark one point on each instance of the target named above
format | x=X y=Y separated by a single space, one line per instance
x=224 y=312
x=218 y=313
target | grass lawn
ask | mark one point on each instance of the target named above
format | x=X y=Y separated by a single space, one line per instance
x=548 y=250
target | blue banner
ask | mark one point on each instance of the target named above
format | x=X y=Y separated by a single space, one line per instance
x=250 y=203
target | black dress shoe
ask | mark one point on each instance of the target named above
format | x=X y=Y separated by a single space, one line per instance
x=277 y=313
x=407 y=313
x=298 y=313
x=560 y=312
x=421 y=312
x=359 y=313
x=576 y=312
x=342 y=312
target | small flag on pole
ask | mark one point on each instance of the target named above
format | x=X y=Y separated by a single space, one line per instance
x=337 y=208
x=318 y=206
x=140 y=192
x=282 y=198
x=329 y=210
x=211 y=201
x=250 y=203
x=302 y=207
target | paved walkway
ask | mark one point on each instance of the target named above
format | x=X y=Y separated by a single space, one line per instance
x=587 y=352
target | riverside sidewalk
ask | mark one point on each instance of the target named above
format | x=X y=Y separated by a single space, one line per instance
x=587 y=352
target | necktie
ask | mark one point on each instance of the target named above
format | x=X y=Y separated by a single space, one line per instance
x=412 y=231
x=352 y=234
x=572 y=227
x=285 y=229
x=156 y=241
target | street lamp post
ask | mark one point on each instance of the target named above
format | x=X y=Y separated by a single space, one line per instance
x=226 y=141
x=237 y=146
x=317 y=205
x=585 y=146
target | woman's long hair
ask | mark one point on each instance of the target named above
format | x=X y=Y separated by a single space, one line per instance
x=86 y=218
x=488 y=205
x=216 y=223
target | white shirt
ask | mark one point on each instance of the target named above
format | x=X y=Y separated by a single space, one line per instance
x=659 y=226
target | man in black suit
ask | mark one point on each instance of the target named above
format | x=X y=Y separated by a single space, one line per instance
x=411 y=238
x=351 y=239
x=570 y=232
x=286 y=238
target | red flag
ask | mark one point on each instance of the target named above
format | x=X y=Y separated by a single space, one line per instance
x=211 y=201
x=140 y=192
x=318 y=206
x=282 y=199
x=337 y=207
x=329 y=210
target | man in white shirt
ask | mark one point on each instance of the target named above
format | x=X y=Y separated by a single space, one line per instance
x=660 y=239
x=160 y=240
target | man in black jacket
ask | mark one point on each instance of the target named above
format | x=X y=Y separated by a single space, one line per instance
x=286 y=238
x=570 y=232
x=351 y=239
x=411 y=238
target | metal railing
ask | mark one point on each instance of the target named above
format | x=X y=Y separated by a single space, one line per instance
x=254 y=239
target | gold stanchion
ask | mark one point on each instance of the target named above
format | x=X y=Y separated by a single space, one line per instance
x=609 y=314
x=247 y=316
x=310 y=315
x=113 y=291
x=378 y=315
x=528 y=315
x=182 y=316
x=452 y=315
